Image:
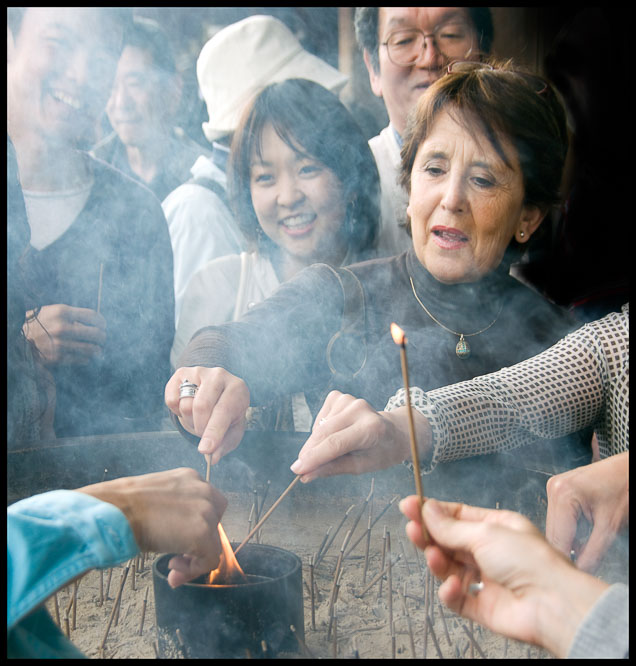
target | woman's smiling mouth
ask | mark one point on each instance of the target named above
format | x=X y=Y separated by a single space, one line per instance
x=298 y=225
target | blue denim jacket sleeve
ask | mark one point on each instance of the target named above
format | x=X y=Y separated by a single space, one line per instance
x=52 y=538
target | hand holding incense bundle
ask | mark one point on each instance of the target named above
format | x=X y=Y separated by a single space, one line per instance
x=400 y=339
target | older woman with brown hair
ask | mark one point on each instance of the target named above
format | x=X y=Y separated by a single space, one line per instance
x=482 y=162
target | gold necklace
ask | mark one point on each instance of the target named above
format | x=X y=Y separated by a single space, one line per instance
x=462 y=349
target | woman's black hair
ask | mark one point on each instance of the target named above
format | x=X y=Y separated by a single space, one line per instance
x=312 y=121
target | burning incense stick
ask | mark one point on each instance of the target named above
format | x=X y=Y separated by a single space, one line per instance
x=99 y=288
x=400 y=339
x=268 y=514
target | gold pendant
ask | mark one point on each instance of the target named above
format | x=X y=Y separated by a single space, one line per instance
x=462 y=350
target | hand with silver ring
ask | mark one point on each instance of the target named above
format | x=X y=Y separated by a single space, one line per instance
x=498 y=569
x=216 y=413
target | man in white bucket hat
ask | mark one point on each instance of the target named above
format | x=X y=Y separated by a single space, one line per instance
x=234 y=65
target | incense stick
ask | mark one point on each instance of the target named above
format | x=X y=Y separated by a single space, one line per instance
x=268 y=514
x=386 y=508
x=383 y=559
x=366 y=550
x=311 y=594
x=302 y=643
x=408 y=619
x=473 y=641
x=409 y=411
x=143 y=613
x=390 y=585
x=208 y=459
x=333 y=536
x=115 y=607
x=378 y=577
x=57 y=610
x=434 y=637
x=99 y=288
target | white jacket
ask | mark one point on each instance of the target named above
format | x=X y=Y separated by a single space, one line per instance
x=201 y=227
x=393 y=239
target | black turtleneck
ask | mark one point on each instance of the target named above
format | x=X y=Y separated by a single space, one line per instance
x=280 y=346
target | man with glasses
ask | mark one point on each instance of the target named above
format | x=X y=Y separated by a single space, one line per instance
x=405 y=50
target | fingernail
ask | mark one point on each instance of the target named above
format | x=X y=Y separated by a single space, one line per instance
x=401 y=504
x=295 y=467
x=431 y=506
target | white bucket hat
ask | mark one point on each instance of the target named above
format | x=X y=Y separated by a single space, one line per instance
x=246 y=56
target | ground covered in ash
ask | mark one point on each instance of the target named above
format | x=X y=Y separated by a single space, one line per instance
x=361 y=625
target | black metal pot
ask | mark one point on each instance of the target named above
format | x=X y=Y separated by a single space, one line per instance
x=249 y=620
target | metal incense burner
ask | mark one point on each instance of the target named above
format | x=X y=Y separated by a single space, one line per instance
x=246 y=620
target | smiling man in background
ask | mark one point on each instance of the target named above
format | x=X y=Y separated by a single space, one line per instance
x=142 y=108
x=99 y=250
x=405 y=49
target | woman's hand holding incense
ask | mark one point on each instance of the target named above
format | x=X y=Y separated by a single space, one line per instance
x=599 y=493
x=531 y=592
x=65 y=334
x=170 y=512
x=350 y=437
x=216 y=413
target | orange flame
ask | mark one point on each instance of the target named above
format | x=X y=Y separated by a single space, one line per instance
x=229 y=570
x=398 y=334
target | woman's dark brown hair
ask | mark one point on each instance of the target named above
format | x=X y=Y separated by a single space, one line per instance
x=504 y=103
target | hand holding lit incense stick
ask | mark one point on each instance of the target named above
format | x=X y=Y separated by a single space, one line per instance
x=400 y=339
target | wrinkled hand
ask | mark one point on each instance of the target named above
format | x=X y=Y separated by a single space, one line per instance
x=65 y=334
x=599 y=493
x=350 y=437
x=531 y=591
x=216 y=414
x=170 y=512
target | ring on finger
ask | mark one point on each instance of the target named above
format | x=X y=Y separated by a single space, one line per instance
x=187 y=389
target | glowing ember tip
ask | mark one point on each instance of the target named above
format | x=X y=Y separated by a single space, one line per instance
x=398 y=334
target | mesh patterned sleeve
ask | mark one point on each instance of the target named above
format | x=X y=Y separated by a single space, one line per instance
x=581 y=381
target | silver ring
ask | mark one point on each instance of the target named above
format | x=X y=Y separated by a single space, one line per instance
x=187 y=389
x=476 y=588
x=322 y=421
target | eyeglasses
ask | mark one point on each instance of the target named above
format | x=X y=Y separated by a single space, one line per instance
x=454 y=40
x=538 y=84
